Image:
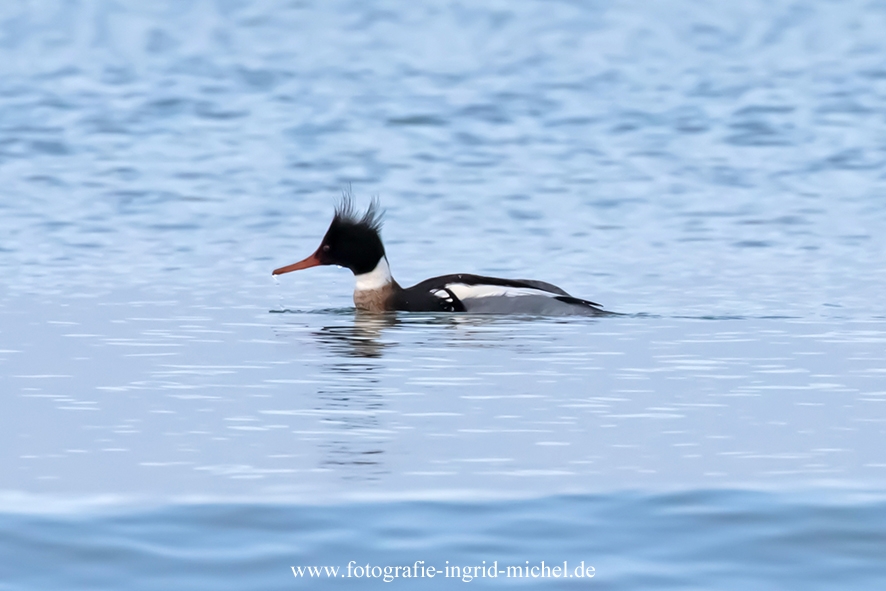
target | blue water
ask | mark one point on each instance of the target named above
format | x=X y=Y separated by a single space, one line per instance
x=693 y=540
x=171 y=415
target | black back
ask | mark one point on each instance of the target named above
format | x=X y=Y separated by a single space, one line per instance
x=422 y=296
x=442 y=281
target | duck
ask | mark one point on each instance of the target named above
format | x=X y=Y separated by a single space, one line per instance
x=353 y=241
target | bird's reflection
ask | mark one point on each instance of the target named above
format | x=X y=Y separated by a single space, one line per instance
x=352 y=400
x=364 y=337
x=355 y=428
x=360 y=339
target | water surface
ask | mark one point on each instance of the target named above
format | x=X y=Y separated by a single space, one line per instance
x=172 y=415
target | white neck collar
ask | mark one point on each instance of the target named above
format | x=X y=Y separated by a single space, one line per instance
x=375 y=279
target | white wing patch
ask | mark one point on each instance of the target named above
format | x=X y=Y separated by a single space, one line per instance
x=468 y=292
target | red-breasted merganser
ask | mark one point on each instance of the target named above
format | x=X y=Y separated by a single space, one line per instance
x=354 y=241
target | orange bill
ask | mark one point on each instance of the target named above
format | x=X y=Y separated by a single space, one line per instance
x=311 y=261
